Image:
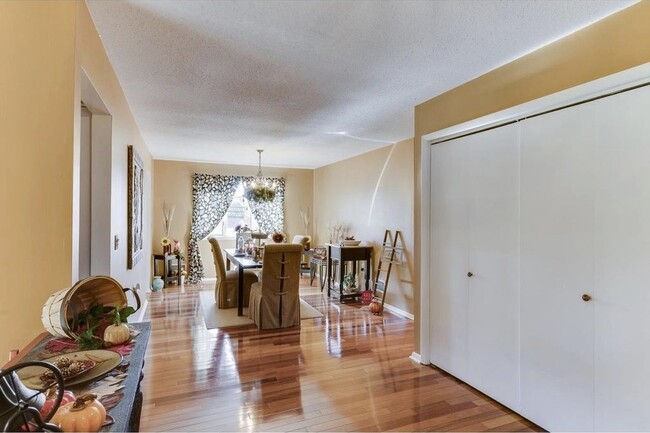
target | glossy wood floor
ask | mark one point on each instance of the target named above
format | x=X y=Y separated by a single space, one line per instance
x=346 y=371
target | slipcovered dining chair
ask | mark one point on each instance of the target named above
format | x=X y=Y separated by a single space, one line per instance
x=225 y=291
x=304 y=241
x=275 y=301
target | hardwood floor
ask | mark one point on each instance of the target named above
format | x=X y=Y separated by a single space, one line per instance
x=346 y=371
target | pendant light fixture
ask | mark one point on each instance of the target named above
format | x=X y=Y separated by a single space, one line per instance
x=260 y=189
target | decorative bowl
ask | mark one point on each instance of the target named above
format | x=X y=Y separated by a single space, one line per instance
x=350 y=243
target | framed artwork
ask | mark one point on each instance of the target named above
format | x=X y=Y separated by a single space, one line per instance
x=135 y=209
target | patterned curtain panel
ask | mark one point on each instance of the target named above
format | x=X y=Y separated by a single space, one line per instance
x=270 y=215
x=211 y=196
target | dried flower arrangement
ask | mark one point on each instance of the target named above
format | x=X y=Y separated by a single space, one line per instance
x=304 y=215
x=168 y=216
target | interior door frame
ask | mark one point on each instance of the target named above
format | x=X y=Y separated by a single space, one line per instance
x=634 y=77
x=100 y=174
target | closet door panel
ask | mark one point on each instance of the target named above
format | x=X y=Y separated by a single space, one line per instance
x=557 y=268
x=448 y=309
x=493 y=333
x=622 y=245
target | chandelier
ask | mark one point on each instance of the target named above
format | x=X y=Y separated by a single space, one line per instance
x=260 y=189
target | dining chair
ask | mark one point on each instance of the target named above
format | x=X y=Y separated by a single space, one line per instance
x=225 y=291
x=318 y=263
x=275 y=301
x=304 y=241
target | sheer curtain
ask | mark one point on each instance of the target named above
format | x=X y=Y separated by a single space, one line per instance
x=211 y=196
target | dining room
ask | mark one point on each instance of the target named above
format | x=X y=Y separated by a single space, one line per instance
x=374 y=194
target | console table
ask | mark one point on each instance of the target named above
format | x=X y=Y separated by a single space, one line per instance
x=127 y=412
x=344 y=254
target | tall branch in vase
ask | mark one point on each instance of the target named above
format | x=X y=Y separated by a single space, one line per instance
x=304 y=215
x=168 y=216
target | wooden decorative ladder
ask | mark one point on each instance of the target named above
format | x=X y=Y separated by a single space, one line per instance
x=392 y=250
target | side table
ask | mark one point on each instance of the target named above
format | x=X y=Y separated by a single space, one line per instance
x=344 y=254
x=169 y=262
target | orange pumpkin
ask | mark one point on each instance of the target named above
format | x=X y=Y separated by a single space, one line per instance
x=85 y=414
x=375 y=307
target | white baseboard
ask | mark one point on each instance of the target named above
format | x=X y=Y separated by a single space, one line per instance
x=399 y=312
x=415 y=357
x=138 y=316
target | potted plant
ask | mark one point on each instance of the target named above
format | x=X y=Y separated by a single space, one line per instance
x=350 y=282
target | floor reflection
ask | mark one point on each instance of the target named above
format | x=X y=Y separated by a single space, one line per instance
x=346 y=371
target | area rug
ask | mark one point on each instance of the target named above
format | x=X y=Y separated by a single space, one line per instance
x=224 y=318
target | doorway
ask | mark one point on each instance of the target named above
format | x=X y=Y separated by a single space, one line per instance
x=93 y=246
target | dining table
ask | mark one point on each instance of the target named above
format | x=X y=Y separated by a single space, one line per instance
x=243 y=261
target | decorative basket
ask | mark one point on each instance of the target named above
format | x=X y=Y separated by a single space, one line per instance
x=61 y=311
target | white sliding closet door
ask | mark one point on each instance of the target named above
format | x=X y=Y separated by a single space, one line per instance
x=449 y=257
x=493 y=331
x=622 y=245
x=557 y=268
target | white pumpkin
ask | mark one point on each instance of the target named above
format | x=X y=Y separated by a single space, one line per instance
x=117 y=334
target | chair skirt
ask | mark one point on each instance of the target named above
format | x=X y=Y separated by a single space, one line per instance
x=272 y=312
x=226 y=291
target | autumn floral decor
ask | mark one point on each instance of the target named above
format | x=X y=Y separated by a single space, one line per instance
x=259 y=193
x=178 y=249
x=96 y=321
x=166 y=244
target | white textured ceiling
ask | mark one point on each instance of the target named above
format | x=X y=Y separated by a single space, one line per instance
x=311 y=82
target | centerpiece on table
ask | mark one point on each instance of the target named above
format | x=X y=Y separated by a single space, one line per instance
x=278 y=237
x=243 y=235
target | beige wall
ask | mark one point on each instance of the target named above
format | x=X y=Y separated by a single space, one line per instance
x=92 y=58
x=173 y=184
x=614 y=44
x=369 y=194
x=37 y=43
x=42 y=45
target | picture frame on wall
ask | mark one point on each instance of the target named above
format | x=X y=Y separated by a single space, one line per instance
x=135 y=208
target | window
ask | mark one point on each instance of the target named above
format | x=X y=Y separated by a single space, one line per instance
x=238 y=213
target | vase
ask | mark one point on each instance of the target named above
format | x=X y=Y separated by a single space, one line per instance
x=157 y=284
